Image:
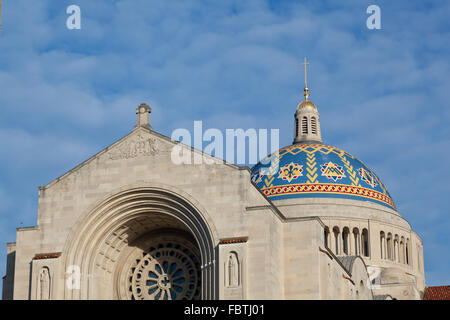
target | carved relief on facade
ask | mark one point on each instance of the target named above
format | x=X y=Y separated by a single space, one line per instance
x=232 y=270
x=135 y=147
x=44 y=284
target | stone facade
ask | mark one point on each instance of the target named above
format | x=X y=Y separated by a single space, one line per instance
x=128 y=223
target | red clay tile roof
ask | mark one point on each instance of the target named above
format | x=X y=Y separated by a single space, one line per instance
x=437 y=293
x=233 y=240
x=47 y=256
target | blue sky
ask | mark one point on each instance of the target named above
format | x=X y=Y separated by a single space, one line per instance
x=382 y=94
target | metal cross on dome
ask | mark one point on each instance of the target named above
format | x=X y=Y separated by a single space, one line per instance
x=306 y=84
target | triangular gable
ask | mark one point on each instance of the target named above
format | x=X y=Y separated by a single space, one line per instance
x=139 y=142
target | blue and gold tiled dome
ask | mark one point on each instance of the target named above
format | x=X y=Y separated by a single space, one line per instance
x=318 y=170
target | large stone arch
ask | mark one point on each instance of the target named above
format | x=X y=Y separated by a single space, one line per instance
x=109 y=226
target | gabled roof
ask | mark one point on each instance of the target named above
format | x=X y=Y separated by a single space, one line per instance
x=137 y=129
x=437 y=293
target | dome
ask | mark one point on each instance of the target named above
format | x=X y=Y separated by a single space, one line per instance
x=306 y=104
x=318 y=171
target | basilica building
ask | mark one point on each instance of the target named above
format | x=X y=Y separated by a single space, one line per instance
x=310 y=221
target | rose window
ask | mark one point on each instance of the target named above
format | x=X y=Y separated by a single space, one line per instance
x=168 y=271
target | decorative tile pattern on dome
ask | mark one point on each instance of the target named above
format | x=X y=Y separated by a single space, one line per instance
x=256 y=177
x=326 y=172
x=332 y=171
x=311 y=168
x=290 y=171
x=328 y=188
x=270 y=172
x=367 y=177
x=350 y=171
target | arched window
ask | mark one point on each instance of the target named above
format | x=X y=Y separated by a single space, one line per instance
x=296 y=127
x=313 y=125
x=407 y=251
x=326 y=235
x=305 y=125
x=402 y=250
x=389 y=246
x=382 y=245
x=365 y=242
x=336 y=240
x=396 y=249
x=345 y=233
x=356 y=241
